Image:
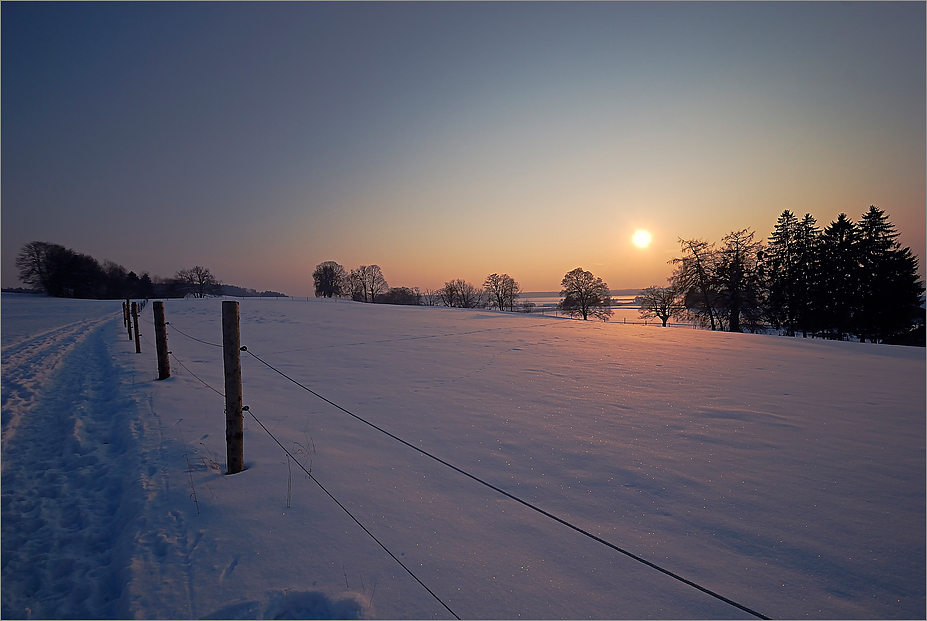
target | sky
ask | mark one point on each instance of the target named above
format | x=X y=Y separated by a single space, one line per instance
x=450 y=140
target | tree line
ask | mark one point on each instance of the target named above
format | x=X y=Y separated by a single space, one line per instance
x=584 y=295
x=62 y=272
x=849 y=279
x=367 y=284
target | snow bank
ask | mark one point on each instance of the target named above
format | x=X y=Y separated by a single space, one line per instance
x=785 y=474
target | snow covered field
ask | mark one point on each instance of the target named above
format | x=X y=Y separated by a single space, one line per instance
x=785 y=474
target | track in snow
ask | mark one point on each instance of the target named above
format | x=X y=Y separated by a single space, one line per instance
x=69 y=478
x=29 y=363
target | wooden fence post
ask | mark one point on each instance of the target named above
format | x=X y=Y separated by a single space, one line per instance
x=128 y=319
x=164 y=363
x=125 y=315
x=138 y=345
x=231 y=357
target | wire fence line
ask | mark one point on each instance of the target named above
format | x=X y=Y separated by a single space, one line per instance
x=308 y=472
x=345 y=509
x=201 y=380
x=447 y=464
x=512 y=496
x=176 y=329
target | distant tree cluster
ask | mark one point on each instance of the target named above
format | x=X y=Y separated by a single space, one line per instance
x=364 y=284
x=62 y=272
x=401 y=295
x=367 y=284
x=247 y=292
x=499 y=291
x=459 y=293
x=851 y=279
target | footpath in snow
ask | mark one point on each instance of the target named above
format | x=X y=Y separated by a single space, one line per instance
x=785 y=474
x=69 y=462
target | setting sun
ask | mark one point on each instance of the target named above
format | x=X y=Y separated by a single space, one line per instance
x=641 y=238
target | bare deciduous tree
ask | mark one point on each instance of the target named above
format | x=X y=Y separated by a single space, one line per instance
x=330 y=280
x=693 y=280
x=584 y=294
x=502 y=291
x=197 y=281
x=366 y=283
x=738 y=279
x=661 y=302
x=461 y=294
x=431 y=297
x=36 y=264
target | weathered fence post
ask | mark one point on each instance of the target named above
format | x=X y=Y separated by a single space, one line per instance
x=164 y=363
x=138 y=345
x=128 y=319
x=231 y=357
x=125 y=315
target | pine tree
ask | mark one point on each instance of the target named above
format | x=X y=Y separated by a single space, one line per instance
x=836 y=300
x=807 y=274
x=781 y=265
x=890 y=291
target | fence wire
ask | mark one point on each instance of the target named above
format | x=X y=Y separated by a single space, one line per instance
x=447 y=464
x=345 y=509
x=516 y=498
x=308 y=473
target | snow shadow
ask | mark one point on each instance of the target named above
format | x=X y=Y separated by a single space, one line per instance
x=295 y=605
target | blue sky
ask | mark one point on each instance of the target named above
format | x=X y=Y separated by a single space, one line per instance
x=450 y=140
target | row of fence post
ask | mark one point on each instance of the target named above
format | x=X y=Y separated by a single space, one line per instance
x=130 y=312
x=231 y=362
x=130 y=320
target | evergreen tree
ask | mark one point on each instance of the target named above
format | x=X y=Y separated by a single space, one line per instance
x=807 y=274
x=903 y=301
x=889 y=288
x=836 y=300
x=782 y=264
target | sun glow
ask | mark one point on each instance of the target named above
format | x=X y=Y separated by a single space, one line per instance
x=641 y=238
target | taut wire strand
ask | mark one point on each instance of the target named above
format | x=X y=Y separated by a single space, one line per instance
x=364 y=528
x=516 y=498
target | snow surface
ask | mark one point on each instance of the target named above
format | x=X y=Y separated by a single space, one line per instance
x=785 y=474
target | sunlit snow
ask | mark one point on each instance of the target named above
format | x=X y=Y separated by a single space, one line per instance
x=785 y=474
